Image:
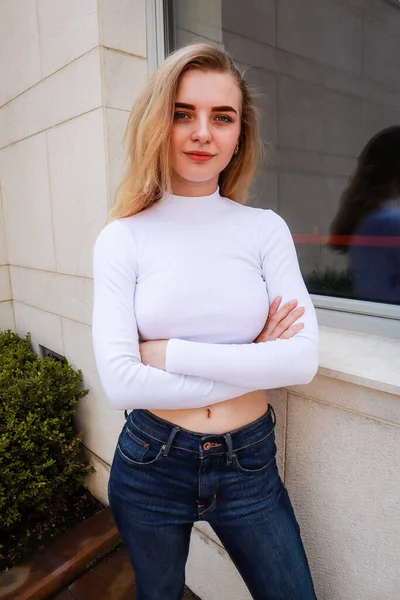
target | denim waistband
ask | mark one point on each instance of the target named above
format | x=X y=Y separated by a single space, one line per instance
x=174 y=436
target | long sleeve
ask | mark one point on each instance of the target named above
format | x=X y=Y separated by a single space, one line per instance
x=126 y=381
x=264 y=365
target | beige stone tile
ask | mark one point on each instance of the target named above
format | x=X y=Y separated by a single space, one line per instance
x=312 y=29
x=44 y=327
x=3 y=240
x=184 y=37
x=116 y=126
x=67 y=29
x=253 y=19
x=72 y=91
x=317 y=195
x=382 y=14
x=100 y=423
x=97 y=483
x=210 y=573
x=377 y=117
x=203 y=19
x=343 y=477
x=26 y=203
x=264 y=191
x=124 y=25
x=317 y=119
x=5 y=284
x=266 y=84
x=39 y=289
x=309 y=162
x=354 y=397
x=63 y=295
x=7 y=316
x=380 y=55
x=76 y=298
x=78 y=190
x=20 y=54
x=124 y=78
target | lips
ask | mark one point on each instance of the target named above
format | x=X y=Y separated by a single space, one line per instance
x=199 y=157
x=199 y=153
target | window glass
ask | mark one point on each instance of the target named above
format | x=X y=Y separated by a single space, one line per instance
x=329 y=77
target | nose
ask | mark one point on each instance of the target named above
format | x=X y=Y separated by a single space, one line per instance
x=201 y=132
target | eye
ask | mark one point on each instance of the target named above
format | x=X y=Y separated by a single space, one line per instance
x=180 y=116
x=225 y=119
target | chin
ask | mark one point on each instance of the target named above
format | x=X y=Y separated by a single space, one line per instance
x=197 y=177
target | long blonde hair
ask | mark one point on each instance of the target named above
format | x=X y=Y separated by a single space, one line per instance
x=148 y=171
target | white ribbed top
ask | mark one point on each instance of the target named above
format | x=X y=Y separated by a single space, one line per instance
x=201 y=273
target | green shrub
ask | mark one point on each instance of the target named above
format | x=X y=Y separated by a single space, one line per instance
x=41 y=465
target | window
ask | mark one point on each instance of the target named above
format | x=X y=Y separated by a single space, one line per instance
x=329 y=75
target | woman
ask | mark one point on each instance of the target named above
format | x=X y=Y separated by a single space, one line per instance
x=183 y=277
x=369 y=217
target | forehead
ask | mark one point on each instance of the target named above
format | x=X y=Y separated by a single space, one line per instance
x=207 y=89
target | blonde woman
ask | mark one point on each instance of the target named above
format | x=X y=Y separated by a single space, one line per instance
x=192 y=320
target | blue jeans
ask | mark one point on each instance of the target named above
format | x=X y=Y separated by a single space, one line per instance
x=164 y=478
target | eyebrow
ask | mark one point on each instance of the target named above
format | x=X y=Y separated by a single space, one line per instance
x=214 y=108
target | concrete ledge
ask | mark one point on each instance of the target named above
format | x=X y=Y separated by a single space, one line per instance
x=62 y=561
x=367 y=360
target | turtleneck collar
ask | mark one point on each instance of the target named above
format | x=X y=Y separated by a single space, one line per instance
x=190 y=208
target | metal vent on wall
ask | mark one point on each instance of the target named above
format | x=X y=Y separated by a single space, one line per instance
x=45 y=352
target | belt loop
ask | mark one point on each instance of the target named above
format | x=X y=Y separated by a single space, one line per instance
x=273 y=415
x=170 y=441
x=228 y=439
x=126 y=414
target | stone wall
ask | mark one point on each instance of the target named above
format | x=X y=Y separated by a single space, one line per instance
x=70 y=74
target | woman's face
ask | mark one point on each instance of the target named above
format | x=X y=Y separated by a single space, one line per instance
x=207 y=120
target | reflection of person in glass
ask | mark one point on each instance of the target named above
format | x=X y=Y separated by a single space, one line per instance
x=370 y=214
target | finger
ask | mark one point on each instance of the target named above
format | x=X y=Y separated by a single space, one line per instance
x=281 y=314
x=288 y=322
x=283 y=326
x=274 y=306
x=272 y=311
x=289 y=333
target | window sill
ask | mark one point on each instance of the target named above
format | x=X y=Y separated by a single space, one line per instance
x=368 y=360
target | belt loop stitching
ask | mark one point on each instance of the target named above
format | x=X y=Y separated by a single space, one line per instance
x=167 y=448
x=273 y=415
x=228 y=439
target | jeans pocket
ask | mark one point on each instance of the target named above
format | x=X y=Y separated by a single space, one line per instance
x=135 y=450
x=257 y=457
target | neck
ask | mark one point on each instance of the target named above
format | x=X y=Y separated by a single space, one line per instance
x=183 y=187
x=191 y=209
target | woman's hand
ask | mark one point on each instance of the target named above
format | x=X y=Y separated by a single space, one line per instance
x=154 y=353
x=279 y=324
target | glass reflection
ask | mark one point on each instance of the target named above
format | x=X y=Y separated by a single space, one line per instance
x=321 y=101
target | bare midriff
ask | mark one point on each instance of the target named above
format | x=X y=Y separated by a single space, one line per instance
x=219 y=418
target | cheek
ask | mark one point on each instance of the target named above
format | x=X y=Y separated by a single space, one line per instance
x=227 y=144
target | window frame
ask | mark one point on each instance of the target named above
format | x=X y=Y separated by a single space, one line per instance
x=341 y=313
